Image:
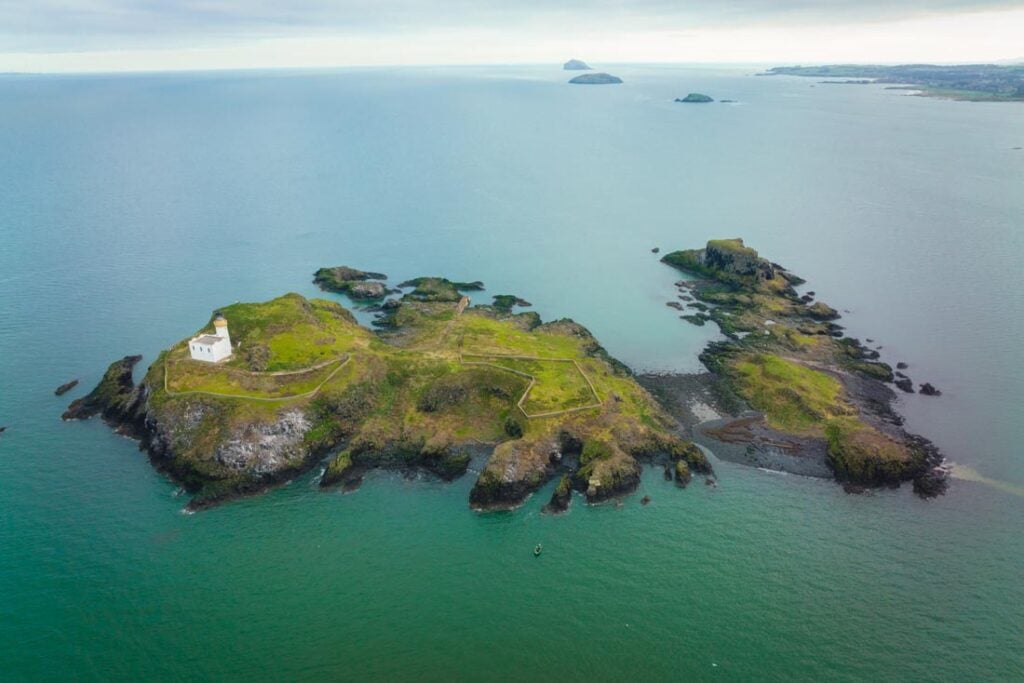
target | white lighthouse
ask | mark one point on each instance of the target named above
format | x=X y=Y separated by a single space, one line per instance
x=215 y=347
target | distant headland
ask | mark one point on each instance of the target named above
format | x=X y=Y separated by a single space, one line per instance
x=971 y=82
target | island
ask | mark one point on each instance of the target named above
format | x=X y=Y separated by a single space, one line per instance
x=576 y=65
x=599 y=78
x=439 y=383
x=794 y=393
x=973 y=82
x=694 y=97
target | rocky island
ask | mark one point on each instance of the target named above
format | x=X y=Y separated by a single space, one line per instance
x=576 y=65
x=695 y=98
x=796 y=393
x=439 y=383
x=596 y=79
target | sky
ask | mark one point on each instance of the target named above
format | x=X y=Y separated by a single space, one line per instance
x=132 y=35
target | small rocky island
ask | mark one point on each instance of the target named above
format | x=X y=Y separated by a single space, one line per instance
x=439 y=383
x=599 y=78
x=795 y=393
x=576 y=65
x=695 y=98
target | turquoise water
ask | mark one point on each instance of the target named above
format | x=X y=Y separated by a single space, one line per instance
x=131 y=206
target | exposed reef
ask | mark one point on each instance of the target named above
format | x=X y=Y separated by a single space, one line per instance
x=793 y=388
x=440 y=383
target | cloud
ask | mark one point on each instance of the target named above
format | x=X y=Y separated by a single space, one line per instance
x=54 y=25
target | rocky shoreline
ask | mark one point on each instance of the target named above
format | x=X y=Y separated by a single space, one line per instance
x=787 y=389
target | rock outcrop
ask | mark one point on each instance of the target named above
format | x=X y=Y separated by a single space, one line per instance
x=695 y=98
x=575 y=65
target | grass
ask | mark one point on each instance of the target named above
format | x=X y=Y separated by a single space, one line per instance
x=793 y=397
x=298 y=332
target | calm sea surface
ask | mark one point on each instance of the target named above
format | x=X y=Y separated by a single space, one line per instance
x=131 y=206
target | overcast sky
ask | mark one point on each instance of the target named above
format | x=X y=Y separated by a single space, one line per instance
x=70 y=35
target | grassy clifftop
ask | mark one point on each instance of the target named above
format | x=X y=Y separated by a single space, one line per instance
x=305 y=380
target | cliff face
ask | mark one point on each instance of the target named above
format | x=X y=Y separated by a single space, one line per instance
x=732 y=257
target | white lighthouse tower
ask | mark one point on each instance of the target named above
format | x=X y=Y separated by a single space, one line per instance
x=215 y=347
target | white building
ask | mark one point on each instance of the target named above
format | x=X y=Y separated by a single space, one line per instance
x=212 y=348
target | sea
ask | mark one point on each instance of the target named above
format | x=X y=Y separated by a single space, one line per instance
x=133 y=205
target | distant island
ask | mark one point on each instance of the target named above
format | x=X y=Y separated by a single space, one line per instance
x=576 y=65
x=695 y=97
x=599 y=78
x=439 y=383
x=796 y=393
x=972 y=82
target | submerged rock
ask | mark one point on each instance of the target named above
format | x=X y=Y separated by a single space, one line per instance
x=928 y=390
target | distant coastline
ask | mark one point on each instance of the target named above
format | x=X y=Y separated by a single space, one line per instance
x=965 y=82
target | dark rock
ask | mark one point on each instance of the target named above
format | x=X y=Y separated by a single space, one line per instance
x=115 y=397
x=668 y=473
x=905 y=384
x=710 y=481
x=807 y=298
x=854 y=488
x=674 y=304
x=645 y=500
x=66 y=387
x=932 y=483
x=698 y=319
x=928 y=390
x=902 y=366
x=655 y=250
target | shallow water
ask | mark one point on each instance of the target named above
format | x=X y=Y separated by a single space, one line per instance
x=131 y=206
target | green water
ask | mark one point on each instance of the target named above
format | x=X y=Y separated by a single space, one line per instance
x=132 y=206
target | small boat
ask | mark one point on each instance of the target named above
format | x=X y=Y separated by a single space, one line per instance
x=536 y=551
